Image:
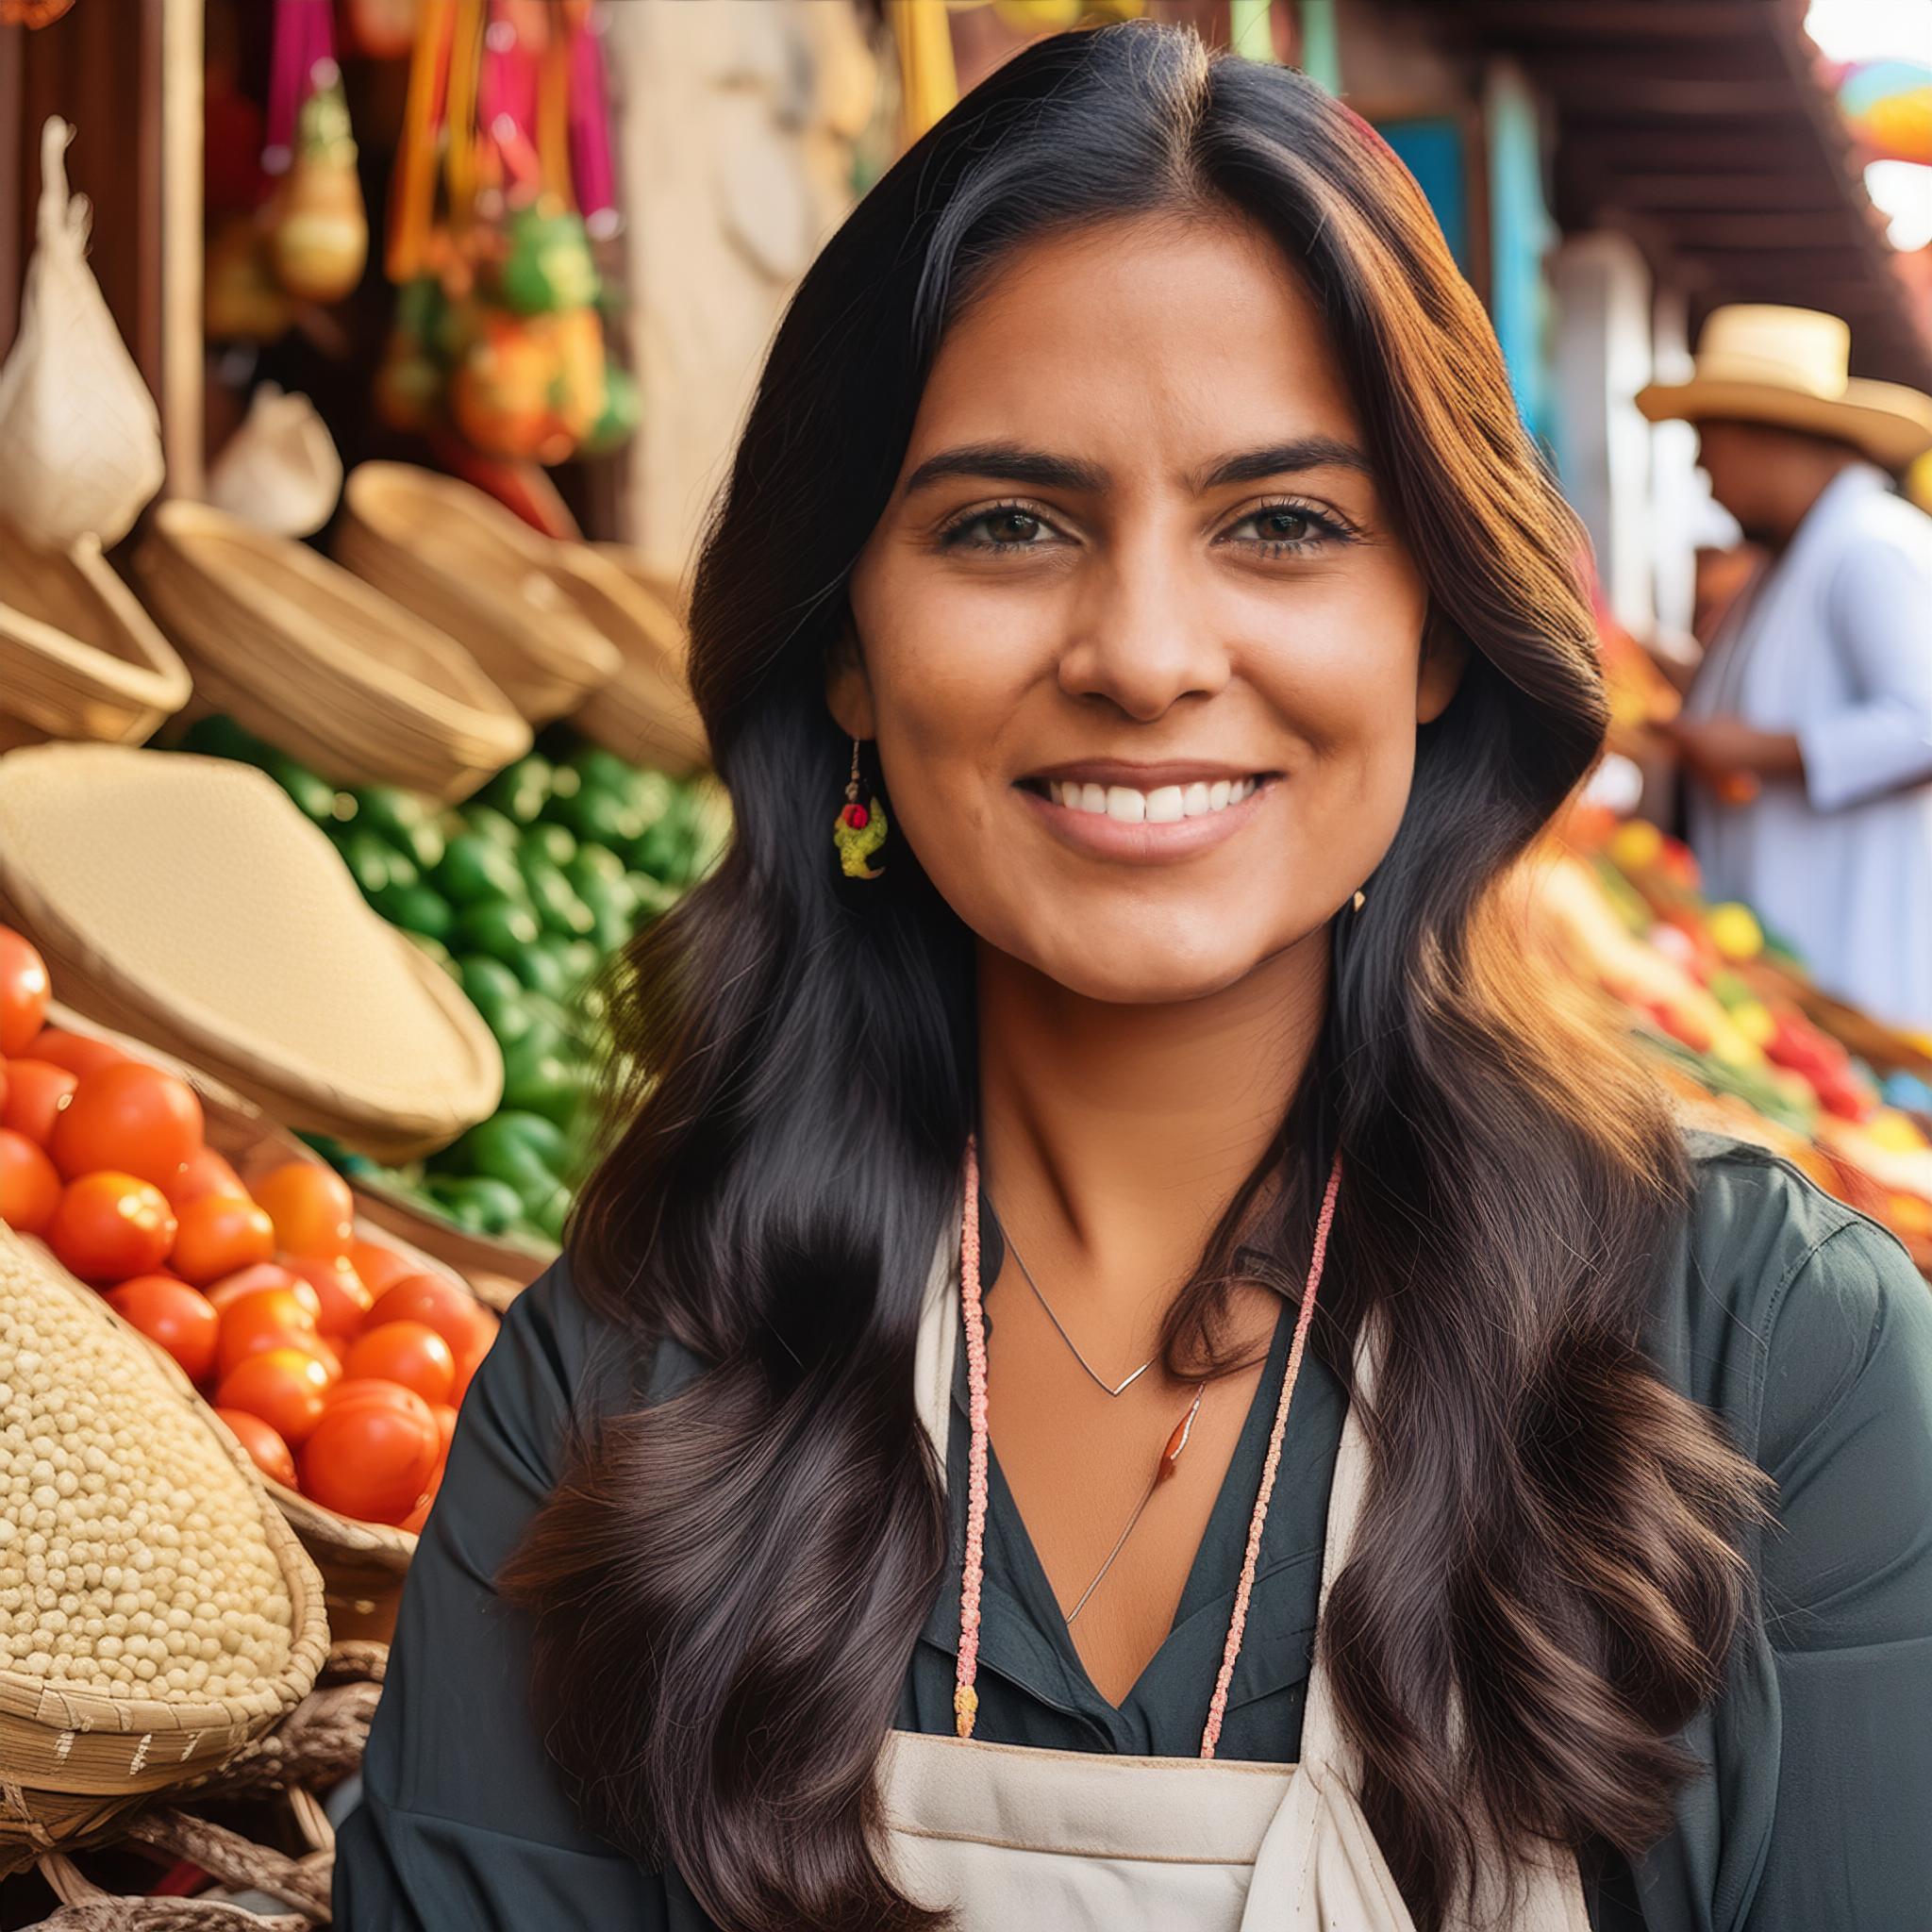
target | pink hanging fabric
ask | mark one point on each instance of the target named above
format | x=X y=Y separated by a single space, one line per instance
x=304 y=36
x=593 y=172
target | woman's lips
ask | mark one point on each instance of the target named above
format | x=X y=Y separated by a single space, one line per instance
x=1154 y=826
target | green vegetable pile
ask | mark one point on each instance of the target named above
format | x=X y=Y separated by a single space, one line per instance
x=521 y=893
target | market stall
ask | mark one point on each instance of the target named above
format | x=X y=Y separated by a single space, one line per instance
x=331 y=795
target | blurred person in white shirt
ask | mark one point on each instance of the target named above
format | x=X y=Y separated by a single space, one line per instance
x=1807 y=737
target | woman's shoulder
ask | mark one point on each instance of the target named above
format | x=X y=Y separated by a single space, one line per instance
x=572 y=1356
x=1778 y=1295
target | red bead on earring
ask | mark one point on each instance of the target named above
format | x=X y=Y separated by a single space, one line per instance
x=858 y=831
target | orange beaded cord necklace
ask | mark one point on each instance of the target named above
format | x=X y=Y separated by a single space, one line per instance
x=965 y=1698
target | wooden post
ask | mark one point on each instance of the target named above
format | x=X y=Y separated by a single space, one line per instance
x=182 y=137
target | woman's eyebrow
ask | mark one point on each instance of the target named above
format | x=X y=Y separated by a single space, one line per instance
x=1012 y=462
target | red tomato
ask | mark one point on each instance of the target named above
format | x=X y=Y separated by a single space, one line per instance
x=268 y=1318
x=338 y=1290
x=283 y=1385
x=411 y=1353
x=417 y=1517
x=445 y=1422
x=134 y=1118
x=370 y=1460
x=206 y=1174
x=30 y=1186
x=231 y=1288
x=217 y=1236
x=36 y=1093
x=74 y=1051
x=265 y=1448
x=353 y=1389
x=453 y=1312
x=3 y=1086
x=107 y=1226
x=310 y=1206
x=380 y=1267
x=172 y=1313
x=23 y=992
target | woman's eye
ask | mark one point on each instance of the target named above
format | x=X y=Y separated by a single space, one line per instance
x=1004 y=529
x=1284 y=528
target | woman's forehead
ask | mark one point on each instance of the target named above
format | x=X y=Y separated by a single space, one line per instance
x=1136 y=343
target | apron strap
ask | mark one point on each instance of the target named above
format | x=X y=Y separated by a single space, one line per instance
x=938 y=1343
x=1323 y=1743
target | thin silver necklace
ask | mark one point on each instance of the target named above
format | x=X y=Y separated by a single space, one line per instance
x=1183 y=1430
x=1099 y=1380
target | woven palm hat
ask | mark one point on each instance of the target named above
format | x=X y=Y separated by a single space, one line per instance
x=1756 y=362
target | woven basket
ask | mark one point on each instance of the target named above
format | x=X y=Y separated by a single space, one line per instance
x=188 y=902
x=361 y=1563
x=72 y=1760
x=320 y=1743
x=309 y=657
x=646 y=712
x=79 y=657
x=464 y=564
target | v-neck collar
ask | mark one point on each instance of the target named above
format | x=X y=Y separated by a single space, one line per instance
x=1024 y=1634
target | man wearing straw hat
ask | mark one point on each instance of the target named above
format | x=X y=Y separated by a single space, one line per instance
x=1807 y=734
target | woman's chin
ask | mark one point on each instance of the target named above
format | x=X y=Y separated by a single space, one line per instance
x=1133 y=970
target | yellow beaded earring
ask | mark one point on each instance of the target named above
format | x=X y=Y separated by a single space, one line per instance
x=858 y=831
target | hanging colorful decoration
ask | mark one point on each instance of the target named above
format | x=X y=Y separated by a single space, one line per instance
x=1889 y=106
x=318 y=234
x=286 y=223
x=499 y=330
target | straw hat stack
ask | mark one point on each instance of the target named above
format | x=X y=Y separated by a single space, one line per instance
x=79 y=657
x=646 y=712
x=464 y=564
x=306 y=655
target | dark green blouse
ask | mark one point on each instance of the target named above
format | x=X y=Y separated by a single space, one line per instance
x=1800 y=1323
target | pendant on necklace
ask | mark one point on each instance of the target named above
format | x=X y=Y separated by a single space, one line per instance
x=1179 y=1440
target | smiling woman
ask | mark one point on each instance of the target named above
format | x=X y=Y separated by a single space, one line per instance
x=1408 y=1485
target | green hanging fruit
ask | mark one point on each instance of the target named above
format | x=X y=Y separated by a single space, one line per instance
x=549 y=266
x=623 y=409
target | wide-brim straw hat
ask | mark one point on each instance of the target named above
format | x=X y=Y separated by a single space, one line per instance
x=1758 y=362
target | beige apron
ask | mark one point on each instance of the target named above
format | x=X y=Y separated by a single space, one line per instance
x=1019 y=1839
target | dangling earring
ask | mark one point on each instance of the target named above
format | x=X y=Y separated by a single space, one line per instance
x=858 y=832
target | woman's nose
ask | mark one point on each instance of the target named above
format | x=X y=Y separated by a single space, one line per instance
x=1142 y=636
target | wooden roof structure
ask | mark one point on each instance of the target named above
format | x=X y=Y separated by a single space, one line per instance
x=1706 y=131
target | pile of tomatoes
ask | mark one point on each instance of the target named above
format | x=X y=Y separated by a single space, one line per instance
x=338 y=1363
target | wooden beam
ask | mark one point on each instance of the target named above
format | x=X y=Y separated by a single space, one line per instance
x=1663 y=98
x=1724 y=229
x=1694 y=151
x=1524 y=22
x=1807 y=191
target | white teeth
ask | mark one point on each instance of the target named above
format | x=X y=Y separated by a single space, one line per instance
x=1166 y=805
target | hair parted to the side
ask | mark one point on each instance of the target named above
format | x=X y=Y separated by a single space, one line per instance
x=727 y=1585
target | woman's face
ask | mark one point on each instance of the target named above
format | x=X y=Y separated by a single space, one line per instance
x=1137 y=640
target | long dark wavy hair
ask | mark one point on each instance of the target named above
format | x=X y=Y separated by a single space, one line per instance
x=727 y=1585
